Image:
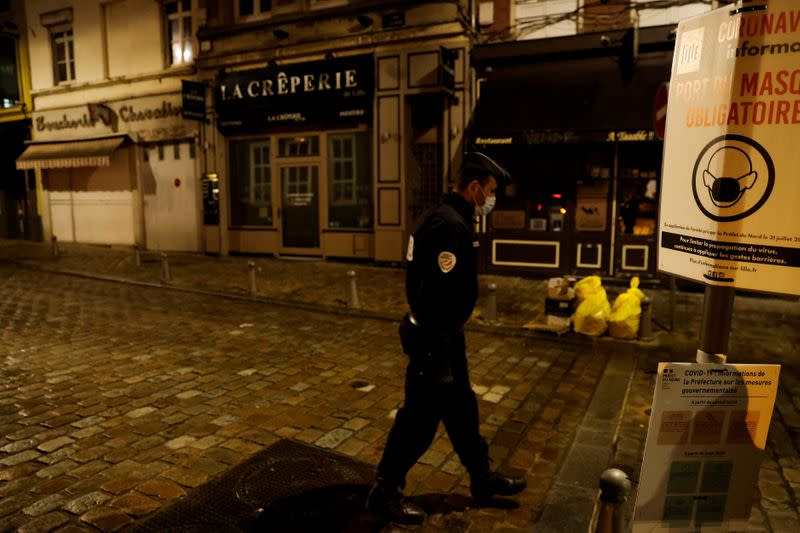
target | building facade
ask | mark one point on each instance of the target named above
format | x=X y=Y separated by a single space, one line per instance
x=116 y=160
x=334 y=124
x=19 y=202
x=582 y=140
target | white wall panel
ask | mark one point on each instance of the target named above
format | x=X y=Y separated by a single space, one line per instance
x=170 y=211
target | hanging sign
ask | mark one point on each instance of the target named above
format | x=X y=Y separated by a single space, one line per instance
x=705 y=442
x=731 y=183
x=193 y=98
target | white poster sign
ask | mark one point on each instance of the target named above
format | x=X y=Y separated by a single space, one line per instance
x=706 y=438
x=729 y=210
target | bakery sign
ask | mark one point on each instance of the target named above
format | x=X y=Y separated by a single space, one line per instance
x=148 y=118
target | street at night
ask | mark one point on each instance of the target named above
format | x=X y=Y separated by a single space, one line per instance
x=373 y=266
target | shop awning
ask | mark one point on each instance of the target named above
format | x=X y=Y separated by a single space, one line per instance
x=70 y=154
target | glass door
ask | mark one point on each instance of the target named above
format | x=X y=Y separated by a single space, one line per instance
x=300 y=205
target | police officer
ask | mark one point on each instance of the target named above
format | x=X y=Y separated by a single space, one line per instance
x=441 y=288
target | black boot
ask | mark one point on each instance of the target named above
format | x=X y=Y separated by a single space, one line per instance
x=495 y=484
x=388 y=503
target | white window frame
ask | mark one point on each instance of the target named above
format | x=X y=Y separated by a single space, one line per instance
x=297 y=182
x=337 y=201
x=183 y=40
x=257 y=13
x=260 y=188
x=58 y=36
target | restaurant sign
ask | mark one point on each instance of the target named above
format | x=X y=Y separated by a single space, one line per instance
x=150 y=118
x=332 y=91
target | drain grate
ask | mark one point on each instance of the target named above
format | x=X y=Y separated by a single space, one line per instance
x=293 y=483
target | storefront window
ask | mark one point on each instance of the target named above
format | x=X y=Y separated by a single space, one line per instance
x=638 y=188
x=251 y=183
x=350 y=180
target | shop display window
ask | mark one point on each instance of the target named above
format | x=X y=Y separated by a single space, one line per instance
x=638 y=188
x=543 y=192
x=350 y=180
x=250 y=183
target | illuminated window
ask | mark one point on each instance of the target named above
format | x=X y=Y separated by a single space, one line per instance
x=179 y=31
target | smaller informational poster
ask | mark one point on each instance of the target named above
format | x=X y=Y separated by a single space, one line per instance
x=705 y=442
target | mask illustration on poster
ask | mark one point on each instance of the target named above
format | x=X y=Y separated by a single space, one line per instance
x=727 y=191
x=733 y=178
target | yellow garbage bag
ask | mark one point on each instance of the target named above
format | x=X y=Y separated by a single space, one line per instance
x=591 y=315
x=626 y=313
x=587 y=287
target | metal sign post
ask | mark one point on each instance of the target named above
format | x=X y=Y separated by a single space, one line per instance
x=716 y=326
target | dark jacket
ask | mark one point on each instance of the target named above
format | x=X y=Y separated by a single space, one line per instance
x=442 y=274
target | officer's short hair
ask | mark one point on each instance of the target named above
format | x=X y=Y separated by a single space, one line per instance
x=479 y=167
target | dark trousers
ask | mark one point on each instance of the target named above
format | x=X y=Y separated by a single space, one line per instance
x=437 y=389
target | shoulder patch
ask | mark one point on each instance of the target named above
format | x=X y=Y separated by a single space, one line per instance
x=410 y=251
x=447 y=260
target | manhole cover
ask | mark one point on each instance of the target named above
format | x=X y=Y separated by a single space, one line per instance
x=282 y=477
x=288 y=479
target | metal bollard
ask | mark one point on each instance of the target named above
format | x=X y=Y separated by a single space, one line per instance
x=251 y=267
x=165 y=275
x=54 y=246
x=137 y=255
x=646 y=321
x=352 y=291
x=491 y=304
x=614 y=489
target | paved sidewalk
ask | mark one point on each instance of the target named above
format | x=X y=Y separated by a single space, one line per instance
x=764 y=330
x=321 y=284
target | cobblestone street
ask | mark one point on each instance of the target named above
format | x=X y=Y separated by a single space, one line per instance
x=118 y=399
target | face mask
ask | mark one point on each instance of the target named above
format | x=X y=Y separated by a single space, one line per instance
x=486 y=208
x=728 y=190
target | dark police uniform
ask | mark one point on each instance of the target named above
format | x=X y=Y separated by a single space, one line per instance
x=441 y=287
